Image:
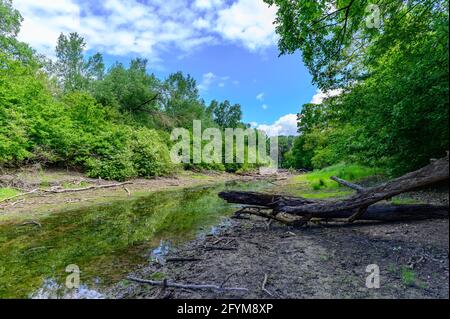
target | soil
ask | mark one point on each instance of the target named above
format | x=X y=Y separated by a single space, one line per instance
x=315 y=262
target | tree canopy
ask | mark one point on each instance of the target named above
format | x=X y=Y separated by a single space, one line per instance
x=389 y=61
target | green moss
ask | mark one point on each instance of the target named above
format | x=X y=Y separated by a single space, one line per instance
x=157 y=276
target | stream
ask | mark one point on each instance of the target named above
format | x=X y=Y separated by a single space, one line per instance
x=106 y=242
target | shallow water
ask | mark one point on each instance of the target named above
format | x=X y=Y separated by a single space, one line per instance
x=105 y=241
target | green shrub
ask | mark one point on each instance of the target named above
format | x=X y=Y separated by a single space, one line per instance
x=151 y=155
x=117 y=166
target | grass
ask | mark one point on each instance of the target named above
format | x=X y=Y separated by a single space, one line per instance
x=320 y=179
x=323 y=195
x=7 y=192
x=72 y=186
x=406 y=201
x=408 y=277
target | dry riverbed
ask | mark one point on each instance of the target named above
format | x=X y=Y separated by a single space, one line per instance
x=314 y=262
x=318 y=261
x=269 y=260
x=35 y=205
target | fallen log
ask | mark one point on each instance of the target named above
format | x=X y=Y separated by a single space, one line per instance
x=299 y=210
x=72 y=190
x=387 y=213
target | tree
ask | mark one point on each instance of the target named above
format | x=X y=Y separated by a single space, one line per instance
x=225 y=114
x=335 y=36
x=72 y=71
x=393 y=76
x=129 y=89
x=10 y=21
x=182 y=102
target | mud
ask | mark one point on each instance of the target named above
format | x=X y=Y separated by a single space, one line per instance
x=320 y=261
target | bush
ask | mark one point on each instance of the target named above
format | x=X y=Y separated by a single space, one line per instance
x=151 y=155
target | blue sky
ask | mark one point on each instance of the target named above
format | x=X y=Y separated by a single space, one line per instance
x=228 y=46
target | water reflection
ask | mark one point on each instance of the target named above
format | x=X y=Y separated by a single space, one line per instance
x=105 y=241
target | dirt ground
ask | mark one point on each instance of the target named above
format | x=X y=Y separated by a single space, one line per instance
x=319 y=261
x=314 y=262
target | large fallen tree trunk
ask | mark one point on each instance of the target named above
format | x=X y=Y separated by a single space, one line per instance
x=296 y=210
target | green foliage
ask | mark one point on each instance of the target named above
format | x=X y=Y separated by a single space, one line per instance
x=10 y=20
x=76 y=130
x=393 y=108
x=408 y=276
x=128 y=89
x=71 y=70
x=320 y=179
x=108 y=124
x=150 y=154
x=225 y=114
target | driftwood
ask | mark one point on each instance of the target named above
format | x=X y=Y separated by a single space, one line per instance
x=57 y=191
x=168 y=284
x=348 y=184
x=182 y=259
x=298 y=211
x=72 y=190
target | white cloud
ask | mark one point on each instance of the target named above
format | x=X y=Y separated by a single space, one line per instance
x=209 y=78
x=132 y=27
x=207 y=4
x=260 y=97
x=249 y=22
x=320 y=96
x=264 y=106
x=285 y=125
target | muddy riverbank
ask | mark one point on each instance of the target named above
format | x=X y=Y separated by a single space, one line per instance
x=314 y=262
x=40 y=204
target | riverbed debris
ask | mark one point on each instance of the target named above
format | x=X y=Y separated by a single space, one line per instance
x=57 y=190
x=169 y=284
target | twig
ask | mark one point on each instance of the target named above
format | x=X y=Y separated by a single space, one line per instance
x=263 y=287
x=168 y=284
x=127 y=190
x=218 y=248
x=227 y=279
x=32 y=222
x=182 y=259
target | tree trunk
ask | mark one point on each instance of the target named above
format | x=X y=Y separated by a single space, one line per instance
x=359 y=206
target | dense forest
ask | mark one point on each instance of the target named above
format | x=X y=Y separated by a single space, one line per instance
x=389 y=65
